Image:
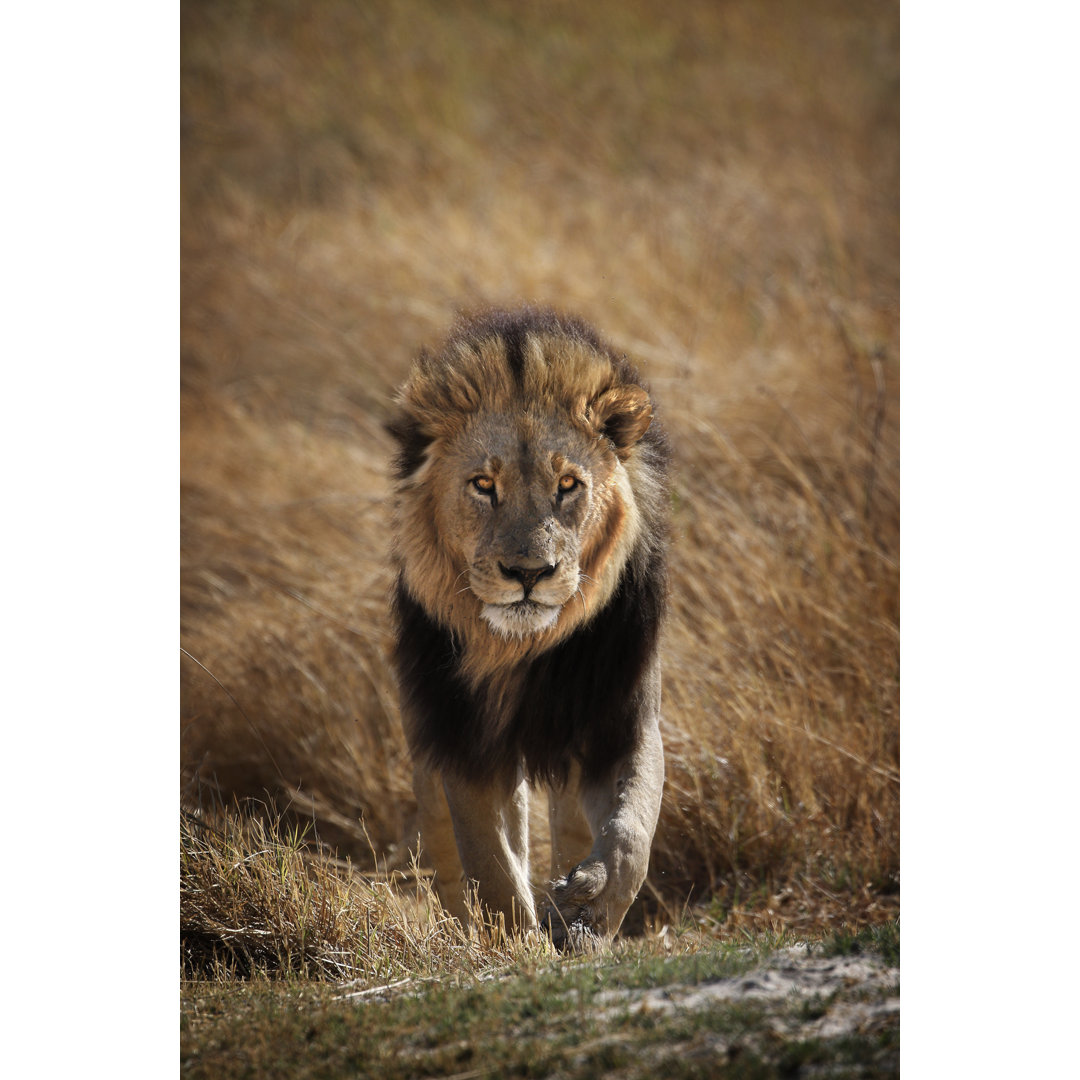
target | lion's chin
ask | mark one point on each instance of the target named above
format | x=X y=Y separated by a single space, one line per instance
x=521 y=618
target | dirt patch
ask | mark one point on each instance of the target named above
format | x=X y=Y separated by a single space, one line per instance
x=856 y=994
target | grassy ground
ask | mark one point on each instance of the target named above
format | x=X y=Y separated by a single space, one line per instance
x=633 y=1013
x=295 y=965
x=715 y=186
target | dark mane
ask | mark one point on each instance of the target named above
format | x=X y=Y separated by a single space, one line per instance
x=567 y=710
x=513 y=326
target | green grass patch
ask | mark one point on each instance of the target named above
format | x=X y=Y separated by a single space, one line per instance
x=575 y=1018
x=882 y=940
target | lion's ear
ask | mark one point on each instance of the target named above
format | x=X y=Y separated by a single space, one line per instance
x=623 y=414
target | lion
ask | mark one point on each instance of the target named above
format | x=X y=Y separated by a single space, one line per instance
x=530 y=548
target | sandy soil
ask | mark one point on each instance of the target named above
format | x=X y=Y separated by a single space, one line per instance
x=858 y=993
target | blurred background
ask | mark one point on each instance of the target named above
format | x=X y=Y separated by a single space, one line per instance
x=715 y=186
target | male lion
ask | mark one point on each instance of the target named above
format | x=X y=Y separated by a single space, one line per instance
x=531 y=506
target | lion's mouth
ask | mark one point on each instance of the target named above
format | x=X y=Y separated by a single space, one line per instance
x=520 y=618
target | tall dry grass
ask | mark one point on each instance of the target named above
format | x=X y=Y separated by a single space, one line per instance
x=257 y=899
x=715 y=186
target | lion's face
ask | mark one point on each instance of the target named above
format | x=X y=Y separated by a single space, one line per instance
x=519 y=498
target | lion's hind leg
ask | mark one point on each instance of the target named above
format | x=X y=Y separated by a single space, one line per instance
x=571 y=836
x=437 y=839
x=562 y=914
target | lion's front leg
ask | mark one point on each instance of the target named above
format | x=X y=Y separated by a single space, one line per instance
x=622 y=809
x=491 y=828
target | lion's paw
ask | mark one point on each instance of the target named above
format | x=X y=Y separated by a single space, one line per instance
x=570 y=918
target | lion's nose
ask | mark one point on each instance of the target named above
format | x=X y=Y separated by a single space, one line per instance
x=528 y=575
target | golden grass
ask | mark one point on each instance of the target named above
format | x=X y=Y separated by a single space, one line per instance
x=715 y=187
x=258 y=899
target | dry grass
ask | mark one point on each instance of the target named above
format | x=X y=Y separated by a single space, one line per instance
x=716 y=188
x=366 y=979
x=258 y=899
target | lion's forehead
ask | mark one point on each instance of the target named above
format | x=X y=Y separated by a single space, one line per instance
x=527 y=443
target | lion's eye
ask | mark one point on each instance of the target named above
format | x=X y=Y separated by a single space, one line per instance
x=568 y=483
x=484 y=484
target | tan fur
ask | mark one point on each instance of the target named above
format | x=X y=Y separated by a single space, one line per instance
x=564 y=415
